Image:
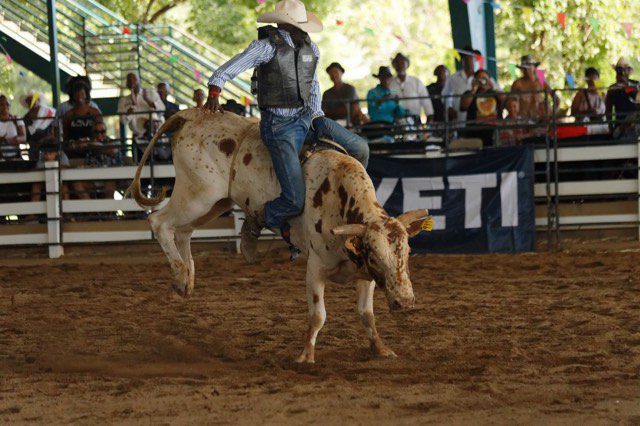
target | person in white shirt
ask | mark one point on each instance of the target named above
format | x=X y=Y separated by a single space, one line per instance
x=12 y=132
x=138 y=101
x=408 y=86
x=460 y=83
x=39 y=116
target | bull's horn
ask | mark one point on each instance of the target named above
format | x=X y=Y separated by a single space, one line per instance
x=407 y=218
x=356 y=229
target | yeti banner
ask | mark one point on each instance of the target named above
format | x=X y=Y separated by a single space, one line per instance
x=481 y=203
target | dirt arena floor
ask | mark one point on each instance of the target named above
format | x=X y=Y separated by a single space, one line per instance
x=98 y=337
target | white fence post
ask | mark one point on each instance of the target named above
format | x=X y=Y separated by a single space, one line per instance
x=238 y=218
x=54 y=216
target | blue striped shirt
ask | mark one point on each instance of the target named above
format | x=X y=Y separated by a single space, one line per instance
x=260 y=52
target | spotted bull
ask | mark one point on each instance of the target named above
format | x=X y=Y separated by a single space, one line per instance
x=346 y=235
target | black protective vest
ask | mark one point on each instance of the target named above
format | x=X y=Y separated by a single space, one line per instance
x=286 y=80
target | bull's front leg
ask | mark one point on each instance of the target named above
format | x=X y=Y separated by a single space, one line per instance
x=365 y=310
x=317 y=312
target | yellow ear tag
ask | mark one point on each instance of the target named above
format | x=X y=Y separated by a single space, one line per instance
x=427 y=224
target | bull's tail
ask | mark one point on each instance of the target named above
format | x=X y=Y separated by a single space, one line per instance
x=175 y=122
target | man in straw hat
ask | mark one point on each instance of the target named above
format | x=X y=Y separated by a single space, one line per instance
x=621 y=101
x=289 y=98
x=530 y=92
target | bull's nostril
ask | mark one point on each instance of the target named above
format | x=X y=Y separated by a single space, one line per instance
x=396 y=305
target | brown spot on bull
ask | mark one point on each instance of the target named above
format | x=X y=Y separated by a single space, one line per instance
x=233 y=174
x=247 y=158
x=323 y=189
x=394 y=231
x=343 y=199
x=354 y=216
x=246 y=202
x=319 y=226
x=227 y=146
x=316 y=298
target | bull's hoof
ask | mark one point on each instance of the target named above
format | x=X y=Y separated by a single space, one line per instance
x=380 y=350
x=182 y=290
x=306 y=357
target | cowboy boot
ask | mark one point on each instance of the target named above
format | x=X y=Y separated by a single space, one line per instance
x=249 y=235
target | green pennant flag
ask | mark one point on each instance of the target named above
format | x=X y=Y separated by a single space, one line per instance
x=512 y=70
x=594 y=24
x=173 y=59
x=369 y=31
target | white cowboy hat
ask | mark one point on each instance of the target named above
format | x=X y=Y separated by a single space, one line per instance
x=295 y=13
x=623 y=63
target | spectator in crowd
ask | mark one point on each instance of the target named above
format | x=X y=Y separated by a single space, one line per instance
x=142 y=110
x=435 y=91
x=383 y=104
x=531 y=93
x=104 y=153
x=64 y=107
x=12 y=132
x=483 y=105
x=620 y=103
x=48 y=151
x=588 y=104
x=39 y=121
x=199 y=98
x=515 y=132
x=170 y=108
x=408 y=86
x=335 y=99
x=78 y=128
x=459 y=83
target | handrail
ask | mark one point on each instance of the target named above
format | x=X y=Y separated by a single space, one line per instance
x=104 y=10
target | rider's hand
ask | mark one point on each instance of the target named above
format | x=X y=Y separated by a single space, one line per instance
x=213 y=100
x=319 y=127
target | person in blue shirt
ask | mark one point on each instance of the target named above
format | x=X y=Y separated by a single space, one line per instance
x=382 y=103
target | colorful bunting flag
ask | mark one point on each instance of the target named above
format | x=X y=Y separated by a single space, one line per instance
x=541 y=74
x=628 y=28
x=126 y=30
x=197 y=74
x=400 y=38
x=261 y=1
x=21 y=74
x=245 y=101
x=594 y=24
x=512 y=70
x=173 y=59
x=8 y=58
x=495 y=5
x=571 y=81
x=339 y=22
x=465 y=1
x=369 y=31
x=480 y=60
x=34 y=99
x=562 y=18
x=526 y=13
x=456 y=54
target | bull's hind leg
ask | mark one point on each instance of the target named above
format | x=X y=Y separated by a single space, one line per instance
x=317 y=312
x=365 y=310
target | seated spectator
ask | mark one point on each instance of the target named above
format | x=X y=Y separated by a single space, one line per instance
x=382 y=103
x=588 y=104
x=483 y=105
x=39 y=121
x=12 y=132
x=335 y=99
x=408 y=86
x=105 y=153
x=534 y=103
x=64 y=107
x=620 y=104
x=199 y=98
x=79 y=124
x=234 y=107
x=516 y=130
x=170 y=108
x=48 y=151
x=435 y=91
x=142 y=110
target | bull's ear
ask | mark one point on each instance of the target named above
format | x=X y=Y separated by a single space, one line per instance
x=356 y=230
x=415 y=221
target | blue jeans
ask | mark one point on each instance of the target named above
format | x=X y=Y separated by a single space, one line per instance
x=356 y=146
x=284 y=137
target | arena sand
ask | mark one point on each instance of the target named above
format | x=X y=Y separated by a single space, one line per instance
x=98 y=337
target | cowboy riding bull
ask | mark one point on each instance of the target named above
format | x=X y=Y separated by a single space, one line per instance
x=327 y=207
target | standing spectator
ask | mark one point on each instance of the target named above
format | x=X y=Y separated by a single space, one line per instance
x=620 y=104
x=64 y=107
x=39 y=121
x=533 y=96
x=483 y=105
x=435 y=91
x=588 y=104
x=516 y=130
x=199 y=98
x=142 y=109
x=170 y=108
x=408 y=86
x=335 y=99
x=459 y=83
x=12 y=132
x=383 y=104
x=79 y=124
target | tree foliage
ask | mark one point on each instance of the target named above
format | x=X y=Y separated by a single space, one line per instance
x=144 y=12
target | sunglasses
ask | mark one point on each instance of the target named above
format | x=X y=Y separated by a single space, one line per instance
x=100 y=132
